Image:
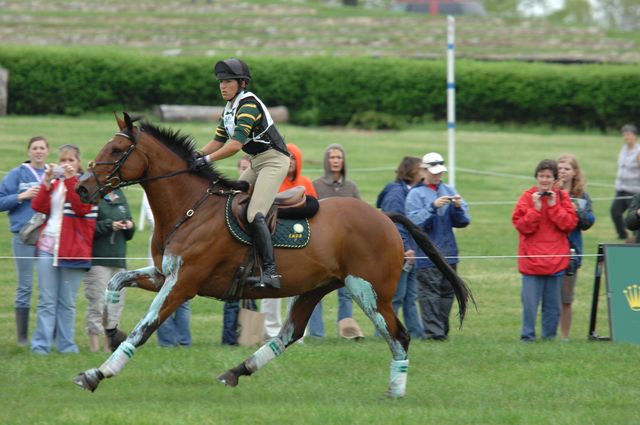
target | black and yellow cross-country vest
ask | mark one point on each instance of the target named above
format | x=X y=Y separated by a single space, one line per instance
x=262 y=136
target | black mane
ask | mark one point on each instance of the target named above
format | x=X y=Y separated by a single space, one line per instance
x=183 y=145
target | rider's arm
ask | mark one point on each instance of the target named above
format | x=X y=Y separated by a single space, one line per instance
x=247 y=115
x=227 y=150
x=212 y=146
x=218 y=140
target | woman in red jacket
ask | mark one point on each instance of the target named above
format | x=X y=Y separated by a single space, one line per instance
x=64 y=253
x=543 y=217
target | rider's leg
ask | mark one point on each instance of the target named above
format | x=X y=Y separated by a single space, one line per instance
x=262 y=240
x=271 y=168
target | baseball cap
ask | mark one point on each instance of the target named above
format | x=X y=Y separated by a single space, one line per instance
x=433 y=162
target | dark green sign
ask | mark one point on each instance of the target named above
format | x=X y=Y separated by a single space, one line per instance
x=622 y=265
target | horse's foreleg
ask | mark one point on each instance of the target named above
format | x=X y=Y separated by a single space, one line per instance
x=388 y=325
x=115 y=363
x=146 y=278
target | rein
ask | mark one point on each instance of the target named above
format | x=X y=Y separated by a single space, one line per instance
x=191 y=211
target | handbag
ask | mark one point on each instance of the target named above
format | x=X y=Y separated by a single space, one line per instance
x=30 y=231
x=250 y=327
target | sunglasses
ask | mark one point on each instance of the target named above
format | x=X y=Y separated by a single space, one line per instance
x=431 y=164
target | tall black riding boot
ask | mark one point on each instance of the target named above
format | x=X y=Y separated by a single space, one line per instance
x=262 y=240
x=22 y=326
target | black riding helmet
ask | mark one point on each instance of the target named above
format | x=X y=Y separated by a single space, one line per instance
x=232 y=69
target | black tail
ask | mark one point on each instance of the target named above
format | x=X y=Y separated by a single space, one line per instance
x=460 y=288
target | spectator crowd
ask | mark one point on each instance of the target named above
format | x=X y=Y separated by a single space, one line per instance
x=68 y=242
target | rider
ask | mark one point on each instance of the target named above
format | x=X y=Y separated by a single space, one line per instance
x=246 y=124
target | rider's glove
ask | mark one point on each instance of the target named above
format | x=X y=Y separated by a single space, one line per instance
x=200 y=162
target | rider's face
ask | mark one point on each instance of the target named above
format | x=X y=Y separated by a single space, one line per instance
x=229 y=89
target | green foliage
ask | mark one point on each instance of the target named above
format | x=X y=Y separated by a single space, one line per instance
x=372 y=120
x=327 y=91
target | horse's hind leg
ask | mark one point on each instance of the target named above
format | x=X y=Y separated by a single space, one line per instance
x=165 y=303
x=387 y=324
x=291 y=331
x=147 y=278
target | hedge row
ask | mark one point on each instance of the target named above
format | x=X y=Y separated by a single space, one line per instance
x=327 y=91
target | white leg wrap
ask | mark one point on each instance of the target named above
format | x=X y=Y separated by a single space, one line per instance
x=269 y=351
x=398 y=382
x=111 y=297
x=118 y=359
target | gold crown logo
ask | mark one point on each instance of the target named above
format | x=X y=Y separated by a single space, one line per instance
x=633 y=297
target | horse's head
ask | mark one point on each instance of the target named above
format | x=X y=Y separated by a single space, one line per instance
x=117 y=164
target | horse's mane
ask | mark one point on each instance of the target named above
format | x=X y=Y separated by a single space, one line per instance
x=183 y=145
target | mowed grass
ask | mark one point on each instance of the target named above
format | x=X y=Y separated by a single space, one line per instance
x=483 y=375
x=296 y=28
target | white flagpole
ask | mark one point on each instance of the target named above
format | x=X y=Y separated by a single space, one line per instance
x=451 y=100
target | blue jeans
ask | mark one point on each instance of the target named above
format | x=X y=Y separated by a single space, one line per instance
x=56 y=311
x=345 y=309
x=230 y=319
x=175 y=329
x=406 y=297
x=24 y=269
x=230 y=322
x=536 y=289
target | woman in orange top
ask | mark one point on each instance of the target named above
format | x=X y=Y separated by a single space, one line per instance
x=271 y=307
x=294 y=176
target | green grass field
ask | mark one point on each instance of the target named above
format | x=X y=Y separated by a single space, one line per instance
x=483 y=375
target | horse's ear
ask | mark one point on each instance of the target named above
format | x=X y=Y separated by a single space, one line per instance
x=128 y=121
x=121 y=123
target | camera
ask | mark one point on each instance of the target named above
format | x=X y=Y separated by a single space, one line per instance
x=573 y=263
x=545 y=193
x=58 y=171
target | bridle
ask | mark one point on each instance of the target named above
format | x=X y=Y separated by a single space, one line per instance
x=114 y=179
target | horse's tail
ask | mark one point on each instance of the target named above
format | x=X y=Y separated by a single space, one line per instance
x=460 y=288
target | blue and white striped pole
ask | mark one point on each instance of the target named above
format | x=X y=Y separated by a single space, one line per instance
x=451 y=99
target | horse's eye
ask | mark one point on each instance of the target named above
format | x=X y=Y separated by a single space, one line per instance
x=116 y=151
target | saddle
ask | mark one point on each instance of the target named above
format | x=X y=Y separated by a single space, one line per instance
x=291 y=199
x=287 y=221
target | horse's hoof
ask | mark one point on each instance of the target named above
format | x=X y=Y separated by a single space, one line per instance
x=89 y=380
x=389 y=396
x=228 y=378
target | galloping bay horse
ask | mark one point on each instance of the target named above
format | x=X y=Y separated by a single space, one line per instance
x=194 y=253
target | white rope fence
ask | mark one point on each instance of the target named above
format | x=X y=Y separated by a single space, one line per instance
x=461 y=257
